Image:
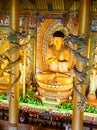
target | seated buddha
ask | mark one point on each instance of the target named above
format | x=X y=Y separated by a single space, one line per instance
x=59 y=64
x=58 y=61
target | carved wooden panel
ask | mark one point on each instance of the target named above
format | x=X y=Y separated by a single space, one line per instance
x=24 y=127
x=3 y=127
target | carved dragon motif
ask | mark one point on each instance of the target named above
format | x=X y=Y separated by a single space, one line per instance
x=78 y=40
x=82 y=75
x=81 y=44
x=10 y=94
x=2 y=58
x=13 y=37
x=81 y=105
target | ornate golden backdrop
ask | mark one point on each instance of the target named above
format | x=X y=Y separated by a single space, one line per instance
x=46 y=29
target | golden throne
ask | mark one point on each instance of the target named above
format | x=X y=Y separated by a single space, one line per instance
x=51 y=91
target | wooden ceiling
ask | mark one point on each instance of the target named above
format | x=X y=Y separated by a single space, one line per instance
x=61 y=6
x=47 y=6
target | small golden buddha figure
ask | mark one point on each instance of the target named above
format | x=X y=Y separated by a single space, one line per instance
x=59 y=61
x=93 y=83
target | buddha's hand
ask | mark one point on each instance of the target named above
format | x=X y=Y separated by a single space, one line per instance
x=63 y=74
x=63 y=66
x=50 y=60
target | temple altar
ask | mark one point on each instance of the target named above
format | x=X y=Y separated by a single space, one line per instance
x=31 y=81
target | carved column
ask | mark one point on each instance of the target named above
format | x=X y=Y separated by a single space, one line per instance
x=84 y=24
x=14 y=101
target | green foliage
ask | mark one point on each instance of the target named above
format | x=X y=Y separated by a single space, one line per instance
x=89 y=109
x=65 y=106
x=30 y=96
x=3 y=97
x=34 y=101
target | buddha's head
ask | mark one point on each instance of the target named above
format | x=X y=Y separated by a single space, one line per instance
x=58 y=37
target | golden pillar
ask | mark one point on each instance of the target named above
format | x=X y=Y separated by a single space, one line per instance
x=34 y=61
x=25 y=29
x=84 y=24
x=14 y=101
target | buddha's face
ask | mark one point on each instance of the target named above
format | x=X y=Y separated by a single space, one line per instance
x=58 y=41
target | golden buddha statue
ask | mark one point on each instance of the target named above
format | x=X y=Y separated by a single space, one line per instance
x=58 y=75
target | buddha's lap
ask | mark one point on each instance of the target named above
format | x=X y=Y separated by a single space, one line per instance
x=64 y=80
x=52 y=78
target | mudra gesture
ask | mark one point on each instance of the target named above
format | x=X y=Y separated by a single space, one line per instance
x=59 y=63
